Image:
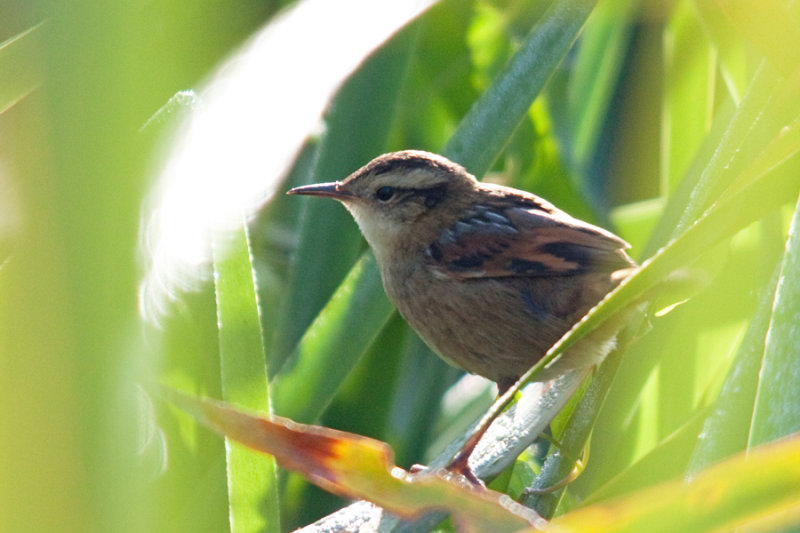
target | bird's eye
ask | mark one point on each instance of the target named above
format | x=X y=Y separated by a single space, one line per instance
x=384 y=193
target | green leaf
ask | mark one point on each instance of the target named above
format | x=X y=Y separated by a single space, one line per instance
x=716 y=168
x=658 y=465
x=769 y=182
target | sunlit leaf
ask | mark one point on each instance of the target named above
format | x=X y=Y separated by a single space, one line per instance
x=716 y=170
x=715 y=499
x=359 y=467
x=657 y=466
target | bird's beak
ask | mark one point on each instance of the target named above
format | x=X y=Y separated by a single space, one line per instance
x=328 y=190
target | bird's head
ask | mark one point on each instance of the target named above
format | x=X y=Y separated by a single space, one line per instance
x=401 y=199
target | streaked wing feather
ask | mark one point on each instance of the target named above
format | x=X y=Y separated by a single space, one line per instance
x=504 y=241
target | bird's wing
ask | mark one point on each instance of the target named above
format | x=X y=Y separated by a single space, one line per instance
x=535 y=240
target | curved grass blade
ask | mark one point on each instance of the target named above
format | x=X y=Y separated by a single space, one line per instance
x=748 y=204
x=779 y=150
x=691 y=196
x=661 y=464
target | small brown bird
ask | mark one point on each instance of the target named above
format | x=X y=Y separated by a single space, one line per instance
x=489 y=276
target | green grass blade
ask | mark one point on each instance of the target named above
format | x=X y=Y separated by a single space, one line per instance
x=695 y=191
x=484 y=131
x=726 y=429
x=333 y=343
x=558 y=466
x=658 y=465
x=688 y=99
x=600 y=57
x=777 y=408
x=252 y=479
x=742 y=208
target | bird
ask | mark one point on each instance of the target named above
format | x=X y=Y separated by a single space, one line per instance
x=489 y=276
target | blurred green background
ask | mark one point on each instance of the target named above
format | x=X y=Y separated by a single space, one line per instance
x=659 y=112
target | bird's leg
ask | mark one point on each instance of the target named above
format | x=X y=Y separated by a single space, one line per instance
x=460 y=463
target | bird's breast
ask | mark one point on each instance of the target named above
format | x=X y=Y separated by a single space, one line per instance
x=494 y=327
